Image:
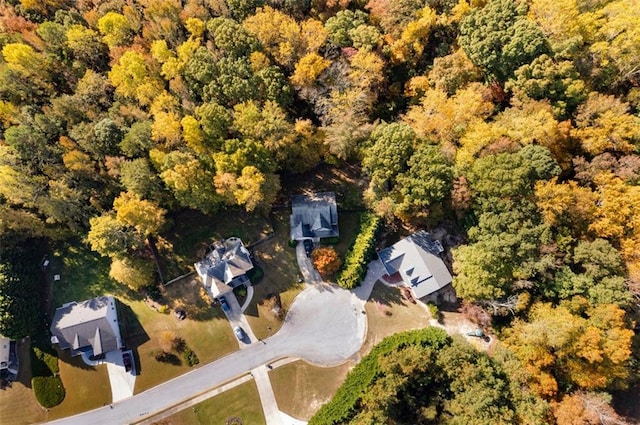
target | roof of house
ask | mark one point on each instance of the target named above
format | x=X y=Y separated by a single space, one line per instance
x=314 y=216
x=416 y=259
x=88 y=323
x=225 y=262
x=5 y=350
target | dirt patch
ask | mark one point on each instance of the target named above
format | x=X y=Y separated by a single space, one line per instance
x=301 y=388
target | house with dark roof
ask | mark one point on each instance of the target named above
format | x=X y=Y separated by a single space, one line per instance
x=415 y=260
x=314 y=216
x=225 y=266
x=90 y=327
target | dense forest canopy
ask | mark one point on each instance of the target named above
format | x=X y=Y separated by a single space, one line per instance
x=514 y=121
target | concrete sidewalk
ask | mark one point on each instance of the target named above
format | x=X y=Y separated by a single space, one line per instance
x=267 y=397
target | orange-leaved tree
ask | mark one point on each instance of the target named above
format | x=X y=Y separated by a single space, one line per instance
x=326 y=261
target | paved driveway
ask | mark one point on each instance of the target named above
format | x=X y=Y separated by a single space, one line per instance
x=309 y=273
x=122 y=382
x=325 y=326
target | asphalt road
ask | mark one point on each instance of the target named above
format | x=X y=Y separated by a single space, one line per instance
x=325 y=326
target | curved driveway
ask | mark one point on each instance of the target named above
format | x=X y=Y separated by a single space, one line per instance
x=325 y=326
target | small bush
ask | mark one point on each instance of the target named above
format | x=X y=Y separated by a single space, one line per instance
x=164 y=309
x=48 y=390
x=292 y=243
x=166 y=340
x=434 y=311
x=179 y=344
x=190 y=357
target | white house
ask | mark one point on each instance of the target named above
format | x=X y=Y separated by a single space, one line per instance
x=415 y=260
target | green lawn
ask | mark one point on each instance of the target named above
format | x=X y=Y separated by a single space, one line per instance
x=209 y=339
x=242 y=401
x=20 y=397
x=301 y=388
x=280 y=267
x=85 y=275
x=86 y=387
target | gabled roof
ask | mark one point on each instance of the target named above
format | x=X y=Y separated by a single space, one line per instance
x=314 y=216
x=92 y=323
x=416 y=259
x=225 y=262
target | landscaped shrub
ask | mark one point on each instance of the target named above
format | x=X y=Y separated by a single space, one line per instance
x=48 y=390
x=434 y=311
x=292 y=243
x=361 y=252
x=43 y=362
x=190 y=357
x=343 y=405
x=240 y=291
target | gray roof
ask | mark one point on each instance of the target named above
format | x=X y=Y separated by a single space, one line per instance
x=314 y=216
x=92 y=323
x=416 y=259
x=227 y=262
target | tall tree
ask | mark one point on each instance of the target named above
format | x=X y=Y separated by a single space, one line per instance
x=562 y=348
x=499 y=38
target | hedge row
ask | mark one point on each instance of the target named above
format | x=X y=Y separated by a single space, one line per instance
x=361 y=252
x=343 y=406
x=49 y=390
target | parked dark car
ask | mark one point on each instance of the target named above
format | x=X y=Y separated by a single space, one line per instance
x=224 y=304
x=308 y=246
x=127 y=360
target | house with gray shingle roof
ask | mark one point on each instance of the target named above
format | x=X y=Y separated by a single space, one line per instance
x=416 y=261
x=90 y=326
x=225 y=266
x=314 y=216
